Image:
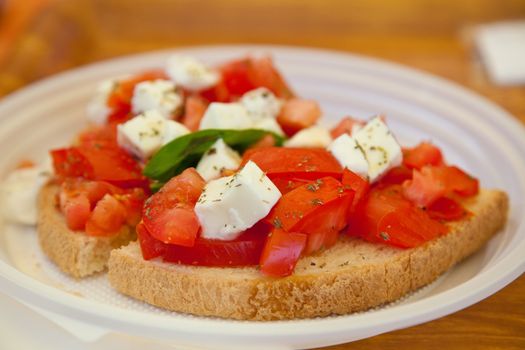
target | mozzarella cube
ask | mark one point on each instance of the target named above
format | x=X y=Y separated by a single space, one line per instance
x=225 y=116
x=219 y=157
x=313 y=137
x=19 y=194
x=232 y=204
x=97 y=109
x=145 y=134
x=382 y=150
x=159 y=95
x=261 y=103
x=190 y=73
x=349 y=154
x=269 y=124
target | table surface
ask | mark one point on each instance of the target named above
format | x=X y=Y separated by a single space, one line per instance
x=42 y=37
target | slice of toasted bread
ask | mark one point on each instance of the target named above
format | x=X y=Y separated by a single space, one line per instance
x=75 y=253
x=351 y=276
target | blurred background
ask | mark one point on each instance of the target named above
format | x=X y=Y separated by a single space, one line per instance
x=42 y=37
x=39 y=38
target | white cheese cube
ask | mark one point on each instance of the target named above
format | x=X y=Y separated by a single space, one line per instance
x=313 y=137
x=97 y=109
x=382 y=150
x=225 y=116
x=19 y=194
x=219 y=157
x=145 y=134
x=159 y=95
x=269 y=124
x=349 y=154
x=232 y=204
x=190 y=73
x=261 y=103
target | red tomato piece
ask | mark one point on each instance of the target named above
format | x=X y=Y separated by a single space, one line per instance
x=168 y=215
x=281 y=252
x=119 y=100
x=424 y=188
x=316 y=207
x=387 y=217
x=297 y=114
x=193 y=112
x=108 y=164
x=264 y=74
x=423 y=154
x=107 y=217
x=298 y=163
x=76 y=210
x=433 y=182
x=286 y=184
x=132 y=202
x=357 y=184
x=446 y=209
x=396 y=176
x=99 y=136
x=345 y=126
x=245 y=250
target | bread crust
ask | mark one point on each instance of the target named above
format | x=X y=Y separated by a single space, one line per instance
x=351 y=276
x=74 y=252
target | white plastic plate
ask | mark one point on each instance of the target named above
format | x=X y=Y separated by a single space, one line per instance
x=472 y=132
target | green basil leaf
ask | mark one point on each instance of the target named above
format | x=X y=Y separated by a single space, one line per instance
x=187 y=150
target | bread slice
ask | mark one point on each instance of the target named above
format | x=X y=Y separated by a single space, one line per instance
x=351 y=276
x=75 y=253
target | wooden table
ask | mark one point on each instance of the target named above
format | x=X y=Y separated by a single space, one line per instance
x=41 y=37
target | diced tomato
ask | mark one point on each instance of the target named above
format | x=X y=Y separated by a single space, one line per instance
x=241 y=76
x=396 y=176
x=132 y=201
x=424 y=188
x=150 y=247
x=298 y=163
x=286 y=184
x=243 y=251
x=297 y=114
x=357 y=184
x=93 y=190
x=119 y=100
x=107 y=217
x=99 y=136
x=447 y=209
x=265 y=141
x=319 y=208
x=281 y=252
x=387 y=217
x=193 y=112
x=345 y=126
x=76 y=210
x=217 y=93
x=433 y=182
x=423 y=154
x=264 y=74
x=109 y=164
x=168 y=215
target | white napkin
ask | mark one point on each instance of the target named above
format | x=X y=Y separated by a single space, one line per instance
x=502 y=49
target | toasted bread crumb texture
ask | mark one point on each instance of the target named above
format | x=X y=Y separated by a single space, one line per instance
x=351 y=276
x=74 y=253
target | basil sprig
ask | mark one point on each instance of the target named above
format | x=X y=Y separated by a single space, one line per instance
x=187 y=150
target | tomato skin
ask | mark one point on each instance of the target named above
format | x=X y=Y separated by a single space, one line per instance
x=281 y=252
x=168 y=215
x=345 y=126
x=76 y=210
x=299 y=163
x=423 y=154
x=396 y=176
x=107 y=217
x=297 y=114
x=245 y=250
x=194 y=110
